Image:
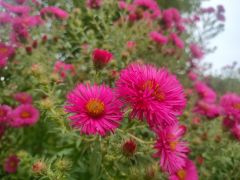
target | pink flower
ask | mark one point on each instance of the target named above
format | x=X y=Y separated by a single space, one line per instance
x=196 y=51
x=236 y=131
x=59 y=13
x=177 y=41
x=11 y=164
x=171 y=150
x=158 y=38
x=101 y=57
x=205 y=93
x=188 y=172
x=152 y=93
x=23 y=98
x=63 y=69
x=122 y=5
x=129 y=148
x=94 y=4
x=150 y=5
x=131 y=45
x=17 y=9
x=208 y=10
x=209 y=110
x=94 y=109
x=171 y=17
x=20 y=1
x=230 y=103
x=192 y=76
x=6 y=52
x=5 y=18
x=5 y=111
x=220 y=9
x=228 y=122
x=24 y=115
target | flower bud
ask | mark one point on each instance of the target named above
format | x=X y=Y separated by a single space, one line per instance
x=129 y=148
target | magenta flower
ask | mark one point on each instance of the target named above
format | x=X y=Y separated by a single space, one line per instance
x=11 y=164
x=192 y=76
x=94 y=4
x=171 y=150
x=24 y=115
x=152 y=93
x=57 y=12
x=130 y=45
x=63 y=69
x=177 y=41
x=230 y=103
x=23 y=98
x=228 y=122
x=5 y=18
x=94 y=109
x=5 y=112
x=209 y=110
x=17 y=9
x=20 y=1
x=6 y=52
x=205 y=93
x=158 y=38
x=196 y=51
x=101 y=57
x=188 y=172
x=171 y=17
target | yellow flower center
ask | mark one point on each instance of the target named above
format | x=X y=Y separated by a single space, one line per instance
x=95 y=107
x=3 y=50
x=173 y=145
x=181 y=174
x=25 y=114
x=237 y=106
x=153 y=86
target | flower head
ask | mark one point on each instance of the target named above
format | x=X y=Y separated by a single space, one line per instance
x=5 y=112
x=94 y=109
x=11 y=164
x=188 y=172
x=101 y=57
x=196 y=51
x=177 y=41
x=129 y=148
x=153 y=94
x=205 y=93
x=171 y=149
x=94 y=4
x=209 y=110
x=23 y=98
x=63 y=68
x=59 y=13
x=236 y=131
x=24 y=115
x=6 y=52
x=158 y=38
x=230 y=103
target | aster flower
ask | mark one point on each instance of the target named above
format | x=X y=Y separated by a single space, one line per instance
x=209 y=110
x=153 y=94
x=23 y=98
x=57 y=12
x=11 y=164
x=205 y=93
x=177 y=41
x=101 y=57
x=6 y=52
x=129 y=148
x=63 y=68
x=171 y=17
x=24 y=115
x=158 y=38
x=228 y=122
x=94 y=4
x=20 y=10
x=192 y=76
x=5 y=18
x=94 y=109
x=5 y=111
x=230 y=103
x=188 y=172
x=196 y=51
x=171 y=150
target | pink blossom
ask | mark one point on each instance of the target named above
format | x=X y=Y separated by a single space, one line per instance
x=153 y=94
x=196 y=51
x=158 y=38
x=94 y=4
x=11 y=164
x=23 y=98
x=236 y=131
x=6 y=52
x=177 y=41
x=209 y=110
x=17 y=9
x=101 y=57
x=188 y=172
x=192 y=76
x=94 y=109
x=63 y=69
x=5 y=112
x=24 y=115
x=171 y=150
x=205 y=93
x=131 y=45
x=5 y=18
x=59 y=13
